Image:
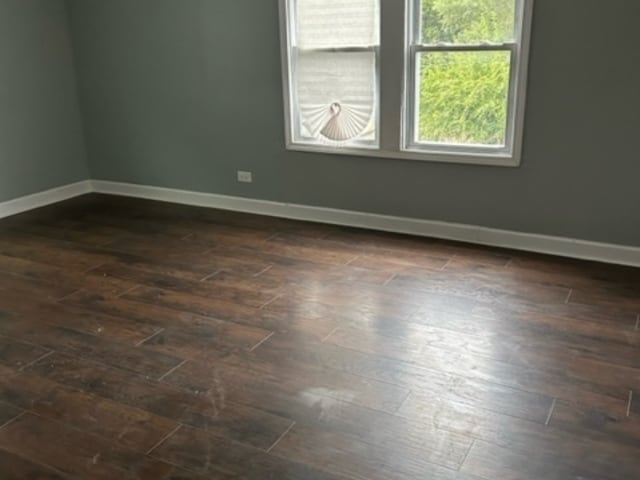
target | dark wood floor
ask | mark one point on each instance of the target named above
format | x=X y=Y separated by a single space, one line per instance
x=141 y=340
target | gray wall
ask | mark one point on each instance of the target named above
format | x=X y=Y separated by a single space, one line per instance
x=41 y=138
x=184 y=93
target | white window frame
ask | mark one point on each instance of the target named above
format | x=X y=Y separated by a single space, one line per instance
x=397 y=80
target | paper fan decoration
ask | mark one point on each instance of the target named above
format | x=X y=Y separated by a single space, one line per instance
x=337 y=122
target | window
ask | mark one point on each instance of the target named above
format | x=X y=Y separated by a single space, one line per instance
x=440 y=80
x=334 y=50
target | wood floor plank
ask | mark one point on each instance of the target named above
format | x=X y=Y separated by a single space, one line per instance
x=149 y=254
x=558 y=462
x=17 y=354
x=138 y=312
x=393 y=250
x=212 y=341
x=178 y=250
x=619 y=296
x=209 y=455
x=398 y=262
x=287 y=277
x=199 y=304
x=490 y=396
x=217 y=234
x=182 y=305
x=479 y=286
x=208 y=409
x=334 y=384
x=169 y=310
x=415 y=341
x=18 y=287
x=597 y=350
x=80 y=454
x=66 y=231
x=607 y=377
x=476 y=308
x=316 y=406
x=369 y=301
x=517 y=439
x=577 y=335
x=67 y=255
x=406 y=458
x=18 y=468
x=563 y=381
x=490 y=461
x=7 y=411
x=87 y=321
x=575 y=272
x=427 y=386
x=235 y=294
x=166 y=270
x=139 y=360
x=130 y=427
x=302 y=248
x=59 y=276
x=317 y=317
x=134 y=224
x=525 y=324
x=286 y=349
x=606 y=423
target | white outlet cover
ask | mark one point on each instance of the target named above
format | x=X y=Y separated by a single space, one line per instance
x=245 y=177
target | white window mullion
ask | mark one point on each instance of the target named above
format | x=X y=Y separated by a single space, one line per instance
x=524 y=24
x=392 y=49
x=513 y=99
x=476 y=47
x=286 y=47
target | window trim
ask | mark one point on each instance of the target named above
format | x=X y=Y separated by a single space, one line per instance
x=402 y=148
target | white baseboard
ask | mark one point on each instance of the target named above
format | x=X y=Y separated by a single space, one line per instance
x=568 y=247
x=42 y=199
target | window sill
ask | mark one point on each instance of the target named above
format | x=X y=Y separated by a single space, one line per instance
x=494 y=160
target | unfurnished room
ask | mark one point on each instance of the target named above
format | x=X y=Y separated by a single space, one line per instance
x=319 y=240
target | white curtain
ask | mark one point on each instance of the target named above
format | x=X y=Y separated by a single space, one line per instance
x=336 y=91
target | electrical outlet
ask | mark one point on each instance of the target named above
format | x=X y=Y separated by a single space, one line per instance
x=245 y=177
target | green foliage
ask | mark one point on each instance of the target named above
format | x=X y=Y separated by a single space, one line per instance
x=463 y=95
x=467 y=21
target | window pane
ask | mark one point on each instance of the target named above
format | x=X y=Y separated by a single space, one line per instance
x=463 y=97
x=468 y=21
x=336 y=23
x=336 y=94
